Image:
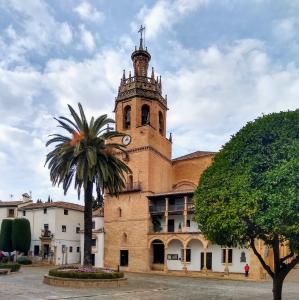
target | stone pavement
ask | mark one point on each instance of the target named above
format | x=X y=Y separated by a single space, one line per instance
x=27 y=285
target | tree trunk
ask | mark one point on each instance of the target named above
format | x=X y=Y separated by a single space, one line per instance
x=277 y=287
x=87 y=223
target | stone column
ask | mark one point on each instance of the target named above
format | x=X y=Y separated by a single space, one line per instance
x=185 y=263
x=66 y=254
x=226 y=270
x=165 y=260
x=166 y=214
x=204 y=260
x=185 y=213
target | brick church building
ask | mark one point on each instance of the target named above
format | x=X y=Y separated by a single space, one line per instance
x=150 y=226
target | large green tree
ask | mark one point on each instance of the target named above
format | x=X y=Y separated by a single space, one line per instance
x=5 y=236
x=251 y=191
x=87 y=155
x=21 y=235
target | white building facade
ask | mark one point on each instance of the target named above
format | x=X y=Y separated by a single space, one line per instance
x=55 y=231
x=97 y=256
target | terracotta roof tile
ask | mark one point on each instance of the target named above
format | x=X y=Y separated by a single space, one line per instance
x=60 y=204
x=10 y=203
x=99 y=212
x=194 y=155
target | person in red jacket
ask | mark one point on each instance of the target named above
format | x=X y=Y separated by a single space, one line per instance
x=246 y=269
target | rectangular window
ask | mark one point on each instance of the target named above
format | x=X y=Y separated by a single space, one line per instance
x=45 y=210
x=36 y=250
x=66 y=212
x=124 y=258
x=188 y=223
x=188 y=255
x=24 y=213
x=77 y=229
x=46 y=227
x=63 y=227
x=78 y=249
x=63 y=248
x=11 y=213
x=71 y=249
x=93 y=242
x=93 y=224
x=230 y=256
x=170 y=225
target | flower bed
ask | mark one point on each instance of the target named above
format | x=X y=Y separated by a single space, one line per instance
x=85 y=273
x=77 y=276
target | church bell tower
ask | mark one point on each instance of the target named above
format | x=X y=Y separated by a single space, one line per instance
x=140 y=113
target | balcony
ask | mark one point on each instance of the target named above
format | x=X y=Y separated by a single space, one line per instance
x=46 y=234
x=132 y=187
x=177 y=208
x=157 y=209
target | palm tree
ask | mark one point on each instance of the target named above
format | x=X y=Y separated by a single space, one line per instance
x=87 y=155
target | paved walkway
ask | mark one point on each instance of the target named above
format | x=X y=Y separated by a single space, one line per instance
x=28 y=285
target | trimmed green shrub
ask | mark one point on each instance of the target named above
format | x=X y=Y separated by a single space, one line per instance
x=24 y=260
x=5 y=236
x=14 y=267
x=21 y=235
x=85 y=275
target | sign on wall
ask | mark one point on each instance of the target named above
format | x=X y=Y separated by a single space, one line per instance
x=172 y=257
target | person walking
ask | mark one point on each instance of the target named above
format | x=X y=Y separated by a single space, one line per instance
x=246 y=269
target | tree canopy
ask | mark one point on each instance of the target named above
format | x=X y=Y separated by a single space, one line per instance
x=251 y=190
x=21 y=235
x=5 y=235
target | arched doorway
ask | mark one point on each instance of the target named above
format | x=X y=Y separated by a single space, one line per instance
x=196 y=250
x=158 y=250
x=175 y=255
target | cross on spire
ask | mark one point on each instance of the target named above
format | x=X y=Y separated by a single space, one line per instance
x=142 y=35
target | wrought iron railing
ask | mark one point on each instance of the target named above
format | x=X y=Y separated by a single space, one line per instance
x=46 y=234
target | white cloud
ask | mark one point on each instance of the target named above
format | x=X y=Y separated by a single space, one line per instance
x=219 y=89
x=87 y=39
x=89 y=13
x=164 y=14
x=30 y=98
x=38 y=31
x=66 y=34
x=285 y=29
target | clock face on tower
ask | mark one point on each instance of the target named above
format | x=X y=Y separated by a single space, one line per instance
x=126 y=140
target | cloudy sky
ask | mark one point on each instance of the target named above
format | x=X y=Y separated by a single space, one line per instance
x=223 y=63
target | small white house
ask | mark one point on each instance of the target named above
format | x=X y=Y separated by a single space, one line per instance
x=55 y=231
x=97 y=256
x=9 y=209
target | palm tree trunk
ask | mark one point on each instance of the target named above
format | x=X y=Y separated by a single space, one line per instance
x=87 y=223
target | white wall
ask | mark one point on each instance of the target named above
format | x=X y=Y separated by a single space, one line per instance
x=4 y=213
x=174 y=247
x=98 y=250
x=235 y=267
x=179 y=219
x=196 y=249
